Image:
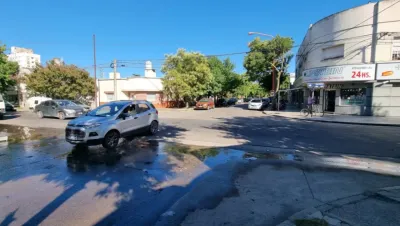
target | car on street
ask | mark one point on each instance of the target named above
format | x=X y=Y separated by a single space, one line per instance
x=2 y=107
x=257 y=104
x=221 y=102
x=9 y=106
x=86 y=107
x=109 y=122
x=61 y=109
x=232 y=101
x=34 y=101
x=205 y=103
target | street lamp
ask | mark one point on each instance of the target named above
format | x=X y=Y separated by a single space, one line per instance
x=259 y=33
x=273 y=71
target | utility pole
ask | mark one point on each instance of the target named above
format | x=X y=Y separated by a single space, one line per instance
x=94 y=67
x=115 y=79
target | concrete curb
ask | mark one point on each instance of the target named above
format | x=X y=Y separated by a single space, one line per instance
x=339 y=122
x=318 y=211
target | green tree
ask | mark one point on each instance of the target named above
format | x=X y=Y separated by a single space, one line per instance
x=187 y=76
x=225 y=80
x=268 y=57
x=60 y=81
x=249 y=88
x=8 y=71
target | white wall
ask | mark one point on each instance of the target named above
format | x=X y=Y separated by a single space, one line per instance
x=124 y=86
x=335 y=30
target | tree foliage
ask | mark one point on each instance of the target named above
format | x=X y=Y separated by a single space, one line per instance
x=249 y=88
x=187 y=76
x=225 y=80
x=266 y=57
x=60 y=81
x=8 y=71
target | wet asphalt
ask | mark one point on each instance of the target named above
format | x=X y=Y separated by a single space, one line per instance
x=41 y=175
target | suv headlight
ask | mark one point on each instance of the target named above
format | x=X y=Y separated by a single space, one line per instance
x=69 y=111
x=91 y=126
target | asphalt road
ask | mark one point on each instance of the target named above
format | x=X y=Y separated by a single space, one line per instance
x=44 y=180
x=237 y=127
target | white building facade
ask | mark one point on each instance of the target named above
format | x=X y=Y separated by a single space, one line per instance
x=27 y=61
x=355 y=56
x=147 y=88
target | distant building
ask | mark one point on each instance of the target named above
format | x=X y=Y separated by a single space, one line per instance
x=27 y=61
x=136 y=87
x=292 y=77
x=25 y=58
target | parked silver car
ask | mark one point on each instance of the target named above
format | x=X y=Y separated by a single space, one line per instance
x=108 y=123
x=61 y=109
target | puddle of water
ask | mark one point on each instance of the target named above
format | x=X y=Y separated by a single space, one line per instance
x=20 y=134
x=145 y=155
x=272 y=156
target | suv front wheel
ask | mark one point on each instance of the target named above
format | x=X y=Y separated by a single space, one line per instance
x=153 y=127
x=111 y=139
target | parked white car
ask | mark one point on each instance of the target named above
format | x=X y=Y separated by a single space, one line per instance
x=2 y=107
x=258 y=103
x=108 y=123
x=34 y=101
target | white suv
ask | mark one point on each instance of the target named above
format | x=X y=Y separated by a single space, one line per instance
x=109 y=122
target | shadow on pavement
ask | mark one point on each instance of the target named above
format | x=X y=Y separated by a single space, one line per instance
x=145 y=177
x=282 y=133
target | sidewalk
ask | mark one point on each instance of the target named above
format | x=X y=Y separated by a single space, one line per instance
x=371 y=208
x=344 y=119
x=292 y=191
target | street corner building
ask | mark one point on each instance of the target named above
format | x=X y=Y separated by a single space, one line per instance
x=148 y=87
x=349 y=62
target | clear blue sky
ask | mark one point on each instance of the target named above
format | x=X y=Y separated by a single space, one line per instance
x=148 y=29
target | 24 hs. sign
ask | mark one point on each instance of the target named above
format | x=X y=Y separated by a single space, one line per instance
x=360 y=74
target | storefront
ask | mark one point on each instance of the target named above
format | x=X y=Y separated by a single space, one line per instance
x=347 y=89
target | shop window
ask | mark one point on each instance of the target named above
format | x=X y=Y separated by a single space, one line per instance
x=333 y=52
x=355 y=96
x=396 y=55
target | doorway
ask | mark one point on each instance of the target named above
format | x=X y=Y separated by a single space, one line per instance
x=330 y=100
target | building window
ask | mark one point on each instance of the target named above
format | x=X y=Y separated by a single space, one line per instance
x=396 y=55
x=333 y=52
x=110 y=96
x=354 y=96
x=151 y=97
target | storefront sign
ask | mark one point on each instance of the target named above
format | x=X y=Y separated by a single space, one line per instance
x=315 y=85
x=334 y=86
x=361 y=72
x=388 y=71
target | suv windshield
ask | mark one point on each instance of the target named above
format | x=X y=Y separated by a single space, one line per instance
x=203 y=100
x=107 y=110
x=256 y=101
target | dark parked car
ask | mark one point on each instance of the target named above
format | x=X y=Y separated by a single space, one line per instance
x=232 y=101
x=222 y=102
x=61 y=109
x=9 y=106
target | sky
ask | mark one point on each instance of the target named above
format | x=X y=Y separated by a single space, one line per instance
x=149 y=29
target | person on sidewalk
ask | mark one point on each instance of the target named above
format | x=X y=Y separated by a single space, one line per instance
x=310 y=102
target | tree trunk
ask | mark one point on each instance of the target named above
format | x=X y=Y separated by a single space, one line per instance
x=278 y=81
